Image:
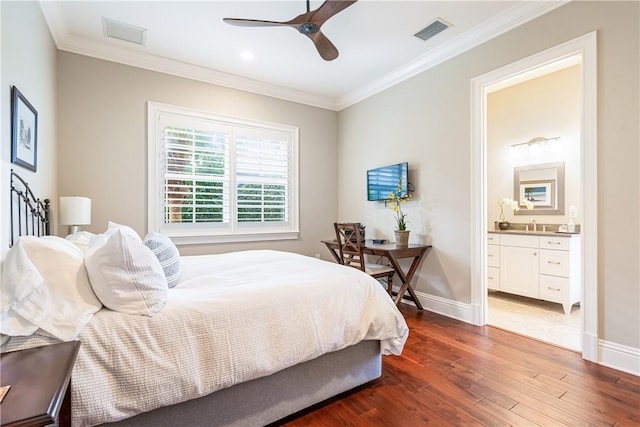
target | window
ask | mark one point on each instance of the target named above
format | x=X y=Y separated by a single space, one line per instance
x=220 y=179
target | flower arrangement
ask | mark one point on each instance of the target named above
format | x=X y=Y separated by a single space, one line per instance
x=396 y=200
x=513 y=205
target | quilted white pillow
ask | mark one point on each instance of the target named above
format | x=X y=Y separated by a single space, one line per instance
x=124 y=273
x=167 y=253
x=45 y=287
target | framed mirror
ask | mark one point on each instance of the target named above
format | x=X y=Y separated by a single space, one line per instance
x=542 y=185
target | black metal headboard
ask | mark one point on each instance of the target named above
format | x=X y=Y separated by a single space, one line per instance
x=29 y=214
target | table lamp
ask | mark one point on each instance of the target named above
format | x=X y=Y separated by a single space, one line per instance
x=74 y=212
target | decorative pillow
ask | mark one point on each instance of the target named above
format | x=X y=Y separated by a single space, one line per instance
x=124 y=273
x=167 y=253
x=45 y=287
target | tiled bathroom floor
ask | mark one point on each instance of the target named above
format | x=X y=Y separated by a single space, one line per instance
x=537 y=319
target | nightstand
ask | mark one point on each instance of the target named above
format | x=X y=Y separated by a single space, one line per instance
x=39 y=379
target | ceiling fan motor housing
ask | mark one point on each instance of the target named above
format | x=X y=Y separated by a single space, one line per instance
x=309 y=28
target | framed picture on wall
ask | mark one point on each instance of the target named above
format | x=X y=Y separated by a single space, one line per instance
x=542 y=185
x=24 y=131
x=541 y=193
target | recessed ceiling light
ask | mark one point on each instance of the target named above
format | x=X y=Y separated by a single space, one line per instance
x=247 y=55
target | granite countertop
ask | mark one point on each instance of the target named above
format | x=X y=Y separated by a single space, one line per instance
x=535 y=233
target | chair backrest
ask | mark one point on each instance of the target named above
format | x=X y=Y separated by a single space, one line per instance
x=350 y=244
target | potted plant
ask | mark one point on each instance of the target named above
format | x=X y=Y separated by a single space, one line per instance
x=396 y=200
x=514 y=206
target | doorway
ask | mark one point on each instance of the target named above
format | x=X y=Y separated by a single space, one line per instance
x=582 y=49
x=533 y=140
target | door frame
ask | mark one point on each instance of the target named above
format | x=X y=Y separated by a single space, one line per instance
x=584 y=48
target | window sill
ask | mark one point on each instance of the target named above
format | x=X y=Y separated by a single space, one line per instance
x=183 y=240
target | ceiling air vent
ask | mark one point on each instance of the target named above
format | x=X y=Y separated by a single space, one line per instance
x=432 y=29
x=122 y=31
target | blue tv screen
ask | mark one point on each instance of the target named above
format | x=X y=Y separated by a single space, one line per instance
x=384 y=180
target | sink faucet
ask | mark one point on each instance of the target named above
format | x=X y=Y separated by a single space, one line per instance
x=535 y=225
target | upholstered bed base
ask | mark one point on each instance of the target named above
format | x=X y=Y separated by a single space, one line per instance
x=269 y=399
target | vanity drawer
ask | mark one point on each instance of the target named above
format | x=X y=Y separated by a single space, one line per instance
x=554 y=289
x=554 y=242
x=555 y=263
x=493 y=278
x=519 y=240
x=493 y=239
x=493 y=256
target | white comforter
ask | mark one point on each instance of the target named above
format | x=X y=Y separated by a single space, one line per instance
x=232 y=318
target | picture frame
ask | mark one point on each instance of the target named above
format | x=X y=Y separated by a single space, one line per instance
x=542 y=185
x=24 y=131
x=540 y=193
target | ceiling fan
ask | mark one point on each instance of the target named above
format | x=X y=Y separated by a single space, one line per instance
x=308 y=23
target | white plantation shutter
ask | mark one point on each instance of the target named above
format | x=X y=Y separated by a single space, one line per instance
x=262 y=178
x=196 y=175
x=230 y=179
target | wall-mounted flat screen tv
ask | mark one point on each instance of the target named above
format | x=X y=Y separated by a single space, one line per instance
x=384 y=180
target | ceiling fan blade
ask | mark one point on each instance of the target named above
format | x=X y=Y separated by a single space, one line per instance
x=253 y=22
x=325 y=48
x=328 y=9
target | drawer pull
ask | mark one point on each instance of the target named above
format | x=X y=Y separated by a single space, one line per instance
x=553 y=243
x=553 y=262
x=553 y=289
x=490 y=277
x=489 y=255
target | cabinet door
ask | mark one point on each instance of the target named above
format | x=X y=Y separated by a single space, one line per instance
x=519 y=271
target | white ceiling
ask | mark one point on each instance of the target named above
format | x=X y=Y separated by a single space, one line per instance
x=375 y=39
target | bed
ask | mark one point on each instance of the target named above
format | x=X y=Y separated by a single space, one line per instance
x=242 y=339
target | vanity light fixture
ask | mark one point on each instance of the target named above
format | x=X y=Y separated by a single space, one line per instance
x=532 y=145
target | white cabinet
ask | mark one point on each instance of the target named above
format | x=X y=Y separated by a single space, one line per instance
x=539 y=266
x=519 y=265
x=493 y=262
x=560 y=279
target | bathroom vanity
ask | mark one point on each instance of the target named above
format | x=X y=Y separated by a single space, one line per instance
x=542 y=265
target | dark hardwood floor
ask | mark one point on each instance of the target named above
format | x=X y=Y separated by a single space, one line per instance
x=453 y=373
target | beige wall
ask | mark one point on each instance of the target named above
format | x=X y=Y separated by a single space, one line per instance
x=425 y=120
x=547 y=106
x=29 y=63
x=103 y=144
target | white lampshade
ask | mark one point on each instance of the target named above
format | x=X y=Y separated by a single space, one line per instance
x=75 y=211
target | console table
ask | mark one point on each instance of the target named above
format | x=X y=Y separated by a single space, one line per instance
x=39 y=379
x=393 y=253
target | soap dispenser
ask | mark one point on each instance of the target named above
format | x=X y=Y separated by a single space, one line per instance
x=573 y=214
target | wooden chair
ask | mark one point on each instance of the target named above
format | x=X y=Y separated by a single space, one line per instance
x=350 y=250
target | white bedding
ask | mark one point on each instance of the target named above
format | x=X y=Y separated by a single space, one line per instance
x=231 y=318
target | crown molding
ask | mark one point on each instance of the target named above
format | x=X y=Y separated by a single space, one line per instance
x=501 y=23
x=509 y=19
x=140 y=59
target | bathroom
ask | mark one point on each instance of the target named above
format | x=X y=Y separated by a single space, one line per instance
x=534 y=203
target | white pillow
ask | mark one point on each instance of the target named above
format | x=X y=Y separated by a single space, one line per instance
x=124 y=273
x=45 y=286
x=80 y=239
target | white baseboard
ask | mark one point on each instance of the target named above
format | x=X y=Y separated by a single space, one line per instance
x=446 y=307
x=612 y=355
x=620 y=357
